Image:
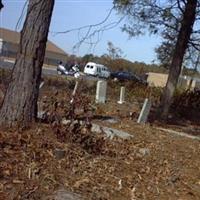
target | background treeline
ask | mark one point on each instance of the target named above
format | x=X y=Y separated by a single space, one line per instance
x=118 y=64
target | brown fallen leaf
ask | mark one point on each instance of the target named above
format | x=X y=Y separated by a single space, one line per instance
x=80 y=182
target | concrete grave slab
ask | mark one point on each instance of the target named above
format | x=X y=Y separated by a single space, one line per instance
x=110 y=132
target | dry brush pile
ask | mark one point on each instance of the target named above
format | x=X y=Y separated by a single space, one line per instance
x=187 y=104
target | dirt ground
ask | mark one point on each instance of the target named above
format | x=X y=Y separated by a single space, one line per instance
x=51 y=157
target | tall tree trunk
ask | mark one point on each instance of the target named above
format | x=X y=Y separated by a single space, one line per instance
x=20 y=102
x=1 y=5
x=177 y=60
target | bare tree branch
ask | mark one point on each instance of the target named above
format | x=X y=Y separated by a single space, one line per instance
x=195 y=45
x=179 y=6
x=86 y=26
x=96 y=33
x=21 y=16
x=93 y=32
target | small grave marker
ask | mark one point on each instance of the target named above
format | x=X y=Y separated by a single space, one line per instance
x=101 y=92
x=144 y=112
x=41 y=84
x=122 y=95
x=75 y=89
x=74 y=92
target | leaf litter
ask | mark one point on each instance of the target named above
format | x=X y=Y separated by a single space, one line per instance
x=53 y=160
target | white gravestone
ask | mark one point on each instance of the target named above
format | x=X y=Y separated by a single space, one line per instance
x=122 y=95
x=74 y=92
x=101 y=92
x=144 y=112
x=41 y=84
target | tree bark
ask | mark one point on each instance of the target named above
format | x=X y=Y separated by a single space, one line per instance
x=20 y=103
x=1 y=5
x=177 y=60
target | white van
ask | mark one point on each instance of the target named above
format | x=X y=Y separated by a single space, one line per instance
x=95 y=69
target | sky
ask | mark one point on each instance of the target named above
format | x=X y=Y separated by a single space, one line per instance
x=70 y=14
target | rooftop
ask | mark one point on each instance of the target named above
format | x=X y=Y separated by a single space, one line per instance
x=14 y=37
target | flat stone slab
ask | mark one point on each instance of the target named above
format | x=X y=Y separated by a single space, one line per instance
x=111 y=120
x=110 y=132
x=179 y=133
x=64 y=195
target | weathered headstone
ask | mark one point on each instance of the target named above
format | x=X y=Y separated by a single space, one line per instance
x=101 y=92
x=144 y=112
x=122 y=95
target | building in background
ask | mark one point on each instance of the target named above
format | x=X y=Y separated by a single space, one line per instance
x=156 y=79
x=160 y=80
x=9 y=44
